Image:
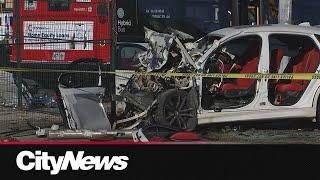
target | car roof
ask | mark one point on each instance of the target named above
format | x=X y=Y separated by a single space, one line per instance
x=266 y=28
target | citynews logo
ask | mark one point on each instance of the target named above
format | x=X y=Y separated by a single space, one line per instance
x=38 y=161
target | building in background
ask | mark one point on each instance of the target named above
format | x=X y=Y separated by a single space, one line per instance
x=6 y=5
x=6 y=19
x=286 y=11
x=196 y=17
x=305 y=11
x=254 y=12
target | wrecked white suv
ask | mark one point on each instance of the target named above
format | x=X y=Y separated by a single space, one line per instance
x=184 y=102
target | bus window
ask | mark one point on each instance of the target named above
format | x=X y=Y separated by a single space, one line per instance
x=58 y=5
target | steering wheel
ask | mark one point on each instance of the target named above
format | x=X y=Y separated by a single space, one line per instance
x=215 y=65
x=224 y=57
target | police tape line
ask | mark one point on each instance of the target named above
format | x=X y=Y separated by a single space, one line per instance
x=288 y=76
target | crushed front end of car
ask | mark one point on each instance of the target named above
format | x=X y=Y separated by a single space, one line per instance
x=169 y=101
x=148 y=99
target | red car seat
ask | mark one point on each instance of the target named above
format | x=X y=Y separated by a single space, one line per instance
x=307 y=62
x=243 y=87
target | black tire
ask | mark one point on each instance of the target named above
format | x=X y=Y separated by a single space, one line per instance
x=177 y=109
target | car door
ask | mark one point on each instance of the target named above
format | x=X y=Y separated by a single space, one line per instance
x=236 y=99
x=292 y=53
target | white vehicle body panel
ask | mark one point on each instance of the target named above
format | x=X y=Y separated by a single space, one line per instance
x=247 y=115
x=260 y=108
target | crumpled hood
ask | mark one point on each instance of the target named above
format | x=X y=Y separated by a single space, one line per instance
x=160 y=45
x=157 y=54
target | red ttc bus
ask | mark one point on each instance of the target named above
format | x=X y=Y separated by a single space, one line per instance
x=63 y=31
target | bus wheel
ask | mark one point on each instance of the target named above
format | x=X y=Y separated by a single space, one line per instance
x=177 y=109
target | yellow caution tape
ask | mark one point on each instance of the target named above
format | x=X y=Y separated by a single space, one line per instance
x=289 y=76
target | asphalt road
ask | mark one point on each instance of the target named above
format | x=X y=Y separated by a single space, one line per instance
x=301 y=133
x=13 y=119
x=282 y=132
x=254 y=136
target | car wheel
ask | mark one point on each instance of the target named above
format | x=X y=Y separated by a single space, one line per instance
x=177 y=109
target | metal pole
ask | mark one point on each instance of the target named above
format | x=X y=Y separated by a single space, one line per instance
x=285 y=12
x=235 y=12
x=18 y=48
x=244 y=5
x=113 y=55
x=262 y=20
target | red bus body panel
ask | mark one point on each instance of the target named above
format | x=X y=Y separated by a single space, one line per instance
x=81 y=31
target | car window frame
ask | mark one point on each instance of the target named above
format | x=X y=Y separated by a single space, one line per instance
x=316 y=42
x=222 y=42
x=124 y=45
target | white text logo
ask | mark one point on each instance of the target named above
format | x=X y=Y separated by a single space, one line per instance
x=38 y=161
